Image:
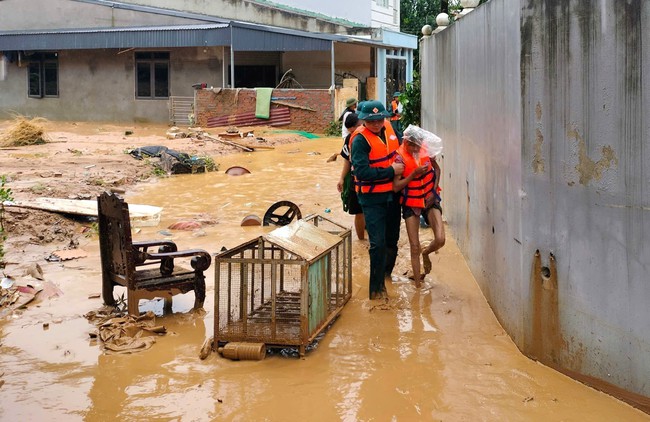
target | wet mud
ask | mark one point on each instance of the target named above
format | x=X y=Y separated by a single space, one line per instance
x=435 y=353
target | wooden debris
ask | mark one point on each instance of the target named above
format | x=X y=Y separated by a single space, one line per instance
x=231 y=143
x=292 y=105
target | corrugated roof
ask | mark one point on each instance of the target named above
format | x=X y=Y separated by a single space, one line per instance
x=130 y=37
x=242 y=37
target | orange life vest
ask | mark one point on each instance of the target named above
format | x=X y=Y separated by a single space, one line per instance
x=420 y=187
x=381 y=155
x=394 y=106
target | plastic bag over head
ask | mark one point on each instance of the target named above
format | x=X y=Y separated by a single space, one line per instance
x=424 y=138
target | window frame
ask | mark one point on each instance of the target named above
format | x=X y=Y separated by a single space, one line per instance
x=44 y=68
x=156 y=62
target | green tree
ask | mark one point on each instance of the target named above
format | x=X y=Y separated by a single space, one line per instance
x=414 y=14
x=411 y=102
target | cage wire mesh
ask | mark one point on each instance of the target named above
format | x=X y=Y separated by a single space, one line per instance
x=283 y=294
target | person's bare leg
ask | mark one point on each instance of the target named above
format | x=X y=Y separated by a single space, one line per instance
x=413 y=231
x=435 y=220
x=360 y=226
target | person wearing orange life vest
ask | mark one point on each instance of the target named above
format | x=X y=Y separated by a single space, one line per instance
x=345 y=185
x=419 y=189
x=372 y=156
x=396 y=111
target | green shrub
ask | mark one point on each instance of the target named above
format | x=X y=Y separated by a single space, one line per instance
x=411 y=102
x=5 y=195
x=334 y=128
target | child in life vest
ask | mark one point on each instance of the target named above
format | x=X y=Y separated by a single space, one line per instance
x=420 y=194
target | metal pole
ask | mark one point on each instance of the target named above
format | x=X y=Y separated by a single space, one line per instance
x=332 y=89
x=223 y=66
x=232 y=60
x=333 y=68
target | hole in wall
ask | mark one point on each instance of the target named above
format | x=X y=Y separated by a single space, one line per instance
x=546 y=273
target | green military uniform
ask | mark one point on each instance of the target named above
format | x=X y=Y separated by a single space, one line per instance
x=381 y=210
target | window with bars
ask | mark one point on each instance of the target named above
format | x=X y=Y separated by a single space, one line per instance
x=152 y=75
x=43 y=75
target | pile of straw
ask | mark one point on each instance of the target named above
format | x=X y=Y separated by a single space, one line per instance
x=25 y=132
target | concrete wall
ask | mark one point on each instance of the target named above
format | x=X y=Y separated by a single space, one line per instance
x=339 y=9
x=543 y=113
x=259 y=12
x=471 y=99
x=386 y=16
x=56 y=14
x=99 y=85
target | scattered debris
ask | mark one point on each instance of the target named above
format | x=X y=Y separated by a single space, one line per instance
x=288 y=212
x=7 y=282
x=174 y=133
x=124 y=334
x=185 y=225
x=34 y=270
x=251 y=220
x=206 y=348
x=229 y=142
x=237 y=171
x=141 y=215
x=17 y=296
x=66 y=255
x=243 y=351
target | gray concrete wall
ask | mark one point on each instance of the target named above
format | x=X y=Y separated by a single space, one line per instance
x=543 y=114
x=56 y=14
x=266 y=14
x=471 y=99
x=99 y=85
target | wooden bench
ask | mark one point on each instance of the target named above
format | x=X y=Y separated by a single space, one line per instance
x=145 y=273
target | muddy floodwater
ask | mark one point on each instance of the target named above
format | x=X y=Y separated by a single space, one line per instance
x=437 y=353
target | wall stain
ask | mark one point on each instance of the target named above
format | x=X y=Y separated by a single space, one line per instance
x=538 y=158
x=587 y=168
x=547 y=345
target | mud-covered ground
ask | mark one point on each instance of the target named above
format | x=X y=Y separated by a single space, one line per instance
x=81 y=160
x=435 y=353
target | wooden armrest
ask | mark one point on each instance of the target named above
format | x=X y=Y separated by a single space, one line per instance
x=145 y=244
x=201 y=260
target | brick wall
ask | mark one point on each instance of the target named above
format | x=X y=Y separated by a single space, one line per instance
x=312 y=108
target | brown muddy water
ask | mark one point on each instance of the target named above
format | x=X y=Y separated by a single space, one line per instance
x=432 y=354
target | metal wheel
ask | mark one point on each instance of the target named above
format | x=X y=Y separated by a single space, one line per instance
x=288 y=211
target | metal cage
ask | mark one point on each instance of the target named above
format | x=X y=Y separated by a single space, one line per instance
x=283 y=288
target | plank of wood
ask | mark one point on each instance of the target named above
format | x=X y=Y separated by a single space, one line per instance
x=227 y=142
x=292 y=105
x=141 y=215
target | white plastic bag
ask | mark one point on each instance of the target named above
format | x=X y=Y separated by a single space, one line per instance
x=426 y=139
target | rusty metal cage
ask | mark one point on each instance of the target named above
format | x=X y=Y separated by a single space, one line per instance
x=283 y=288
